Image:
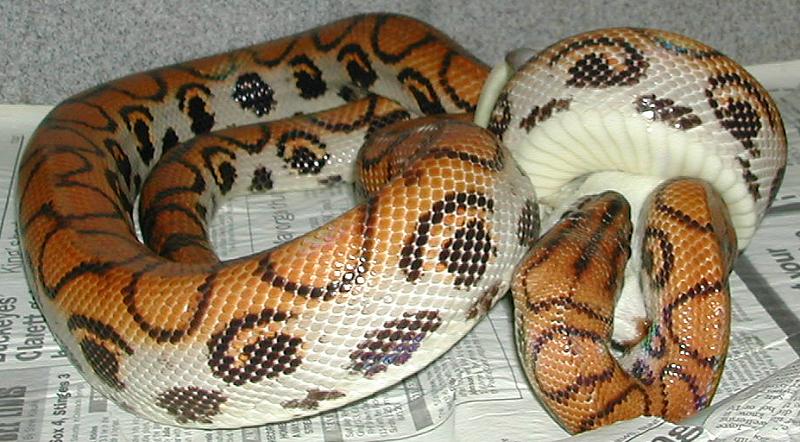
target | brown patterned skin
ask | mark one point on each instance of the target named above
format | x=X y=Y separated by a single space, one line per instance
x=174 y=334
x=680 y=151
x=688 y=254
x=645 y=102
x=176 y=204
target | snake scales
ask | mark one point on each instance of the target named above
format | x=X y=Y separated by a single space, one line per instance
x=448 y=225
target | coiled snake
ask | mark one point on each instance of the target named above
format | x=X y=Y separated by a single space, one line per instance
x=172 y=334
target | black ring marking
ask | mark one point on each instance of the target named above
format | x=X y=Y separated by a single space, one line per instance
x=248 y=351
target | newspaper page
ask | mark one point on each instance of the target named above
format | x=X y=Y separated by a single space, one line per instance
x=475 y=392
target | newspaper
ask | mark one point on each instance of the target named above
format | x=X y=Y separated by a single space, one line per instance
x=475 y=392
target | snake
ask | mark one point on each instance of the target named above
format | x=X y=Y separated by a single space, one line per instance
x=647 y=159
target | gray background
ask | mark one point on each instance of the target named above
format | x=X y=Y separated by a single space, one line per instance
x=55 y=48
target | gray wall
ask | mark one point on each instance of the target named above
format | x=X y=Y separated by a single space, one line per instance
x=54 y=49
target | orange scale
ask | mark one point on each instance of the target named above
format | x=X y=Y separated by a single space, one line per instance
x=298 y=301
x=444 y=170
x=398 y=211
x=680 y=393
x=308 y=266
x=381 y=236
x=456 y=174
x=385 y=210
x=295 y=272
x=227 y=310
x=449 y=184
x=412 y=201
x=695 y=315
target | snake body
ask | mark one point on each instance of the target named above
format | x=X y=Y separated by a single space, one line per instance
x=698 y=149
x=173 y=334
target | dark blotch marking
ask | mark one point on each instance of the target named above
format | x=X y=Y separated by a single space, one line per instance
x=347 y=94
x=312 y=399
x=228 y=175
x=103 y=361
x=308 y=77
x=331 y=180
x=223 y=171
x=192 y=100
x=358 y=65
x=99 y=329
x=169 y=140
x=658 y=277
x=394 y=344
x=468 y=252
x=191 y=404
x=642 y=371
x=501 y=117
x=596 y=70
x=122 y=196
x=540 y=114
x=484 y=302
x=528 y=223
x=422 y=90
x=253 y=93
x=145 y=146
x=237 y=358
x=302 y=158
x=413 y=252
x=262 y=180
x=750 y=178
x=465 y=254
x=733 y=110
x=664 y=109
x=121 y=159
x=138 y=120
x=95 y=345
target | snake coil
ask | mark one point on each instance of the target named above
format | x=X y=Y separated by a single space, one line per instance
x=448 y=224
